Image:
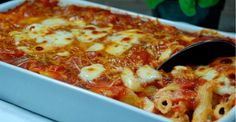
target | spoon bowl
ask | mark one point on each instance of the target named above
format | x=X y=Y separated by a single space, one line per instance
x=200 y=53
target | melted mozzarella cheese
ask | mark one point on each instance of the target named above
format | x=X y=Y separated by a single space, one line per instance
x=36 y=28
x=59 y=22
x=43 y=34
x=223 y=85
x=50 y=41
x=148 y=104
x=90 y=33
x=206 y=73
x=96 y=47
x=18 y=36
x=64 y=54
x=52 y=22
x=225 y=90
x=178 y=70
x=127 y=36
x=59 y=38
x=117 y=49
x=49 y=34
x=91 y=72
x=165 y=55
x=129 y=80
x=122 y=41
x=222 y=82
x=233 y=59
x=44 y=26
x=187 y=38
x=182 y=72
x=24 y=48
x=47 y=42
x=148 y=74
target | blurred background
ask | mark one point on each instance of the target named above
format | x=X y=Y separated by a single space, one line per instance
x=226 y=20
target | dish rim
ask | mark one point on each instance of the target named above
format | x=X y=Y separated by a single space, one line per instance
x=178 y=25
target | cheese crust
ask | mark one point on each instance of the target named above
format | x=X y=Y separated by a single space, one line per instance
x=116 y=56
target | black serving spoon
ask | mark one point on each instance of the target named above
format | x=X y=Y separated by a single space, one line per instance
x=200 y=53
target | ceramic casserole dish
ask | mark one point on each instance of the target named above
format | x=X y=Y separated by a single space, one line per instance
x=64 y=102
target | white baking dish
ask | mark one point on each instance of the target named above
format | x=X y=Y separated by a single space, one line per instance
x=63 y=102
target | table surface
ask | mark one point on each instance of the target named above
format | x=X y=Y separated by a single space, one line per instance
x=12 y=113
